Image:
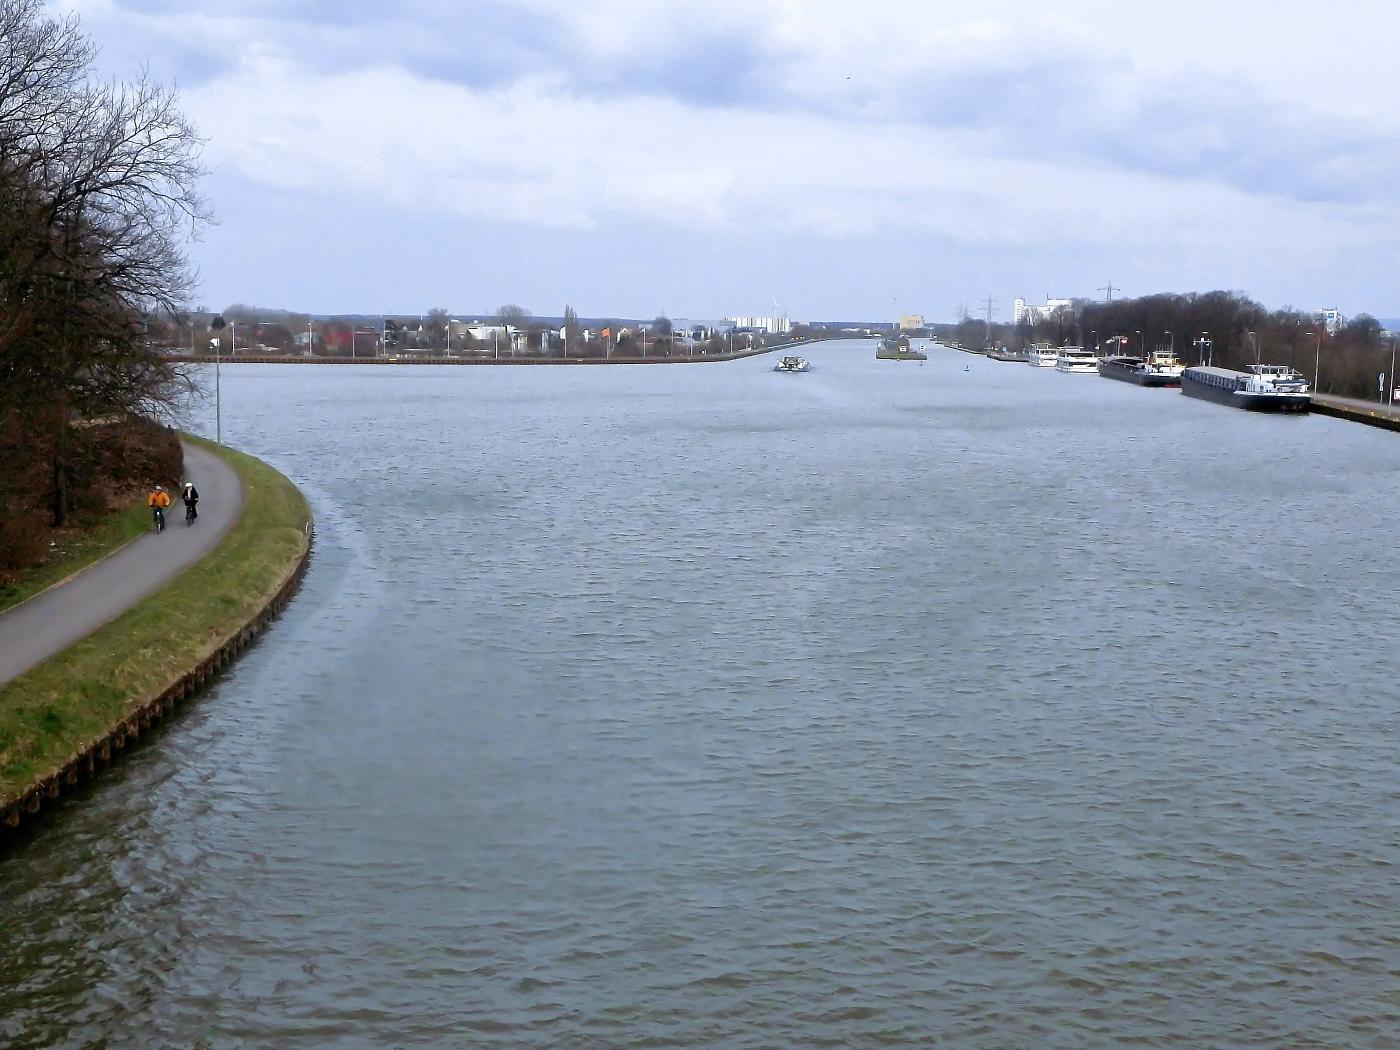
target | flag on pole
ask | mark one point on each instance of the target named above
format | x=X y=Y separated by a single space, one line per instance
x=606 y=333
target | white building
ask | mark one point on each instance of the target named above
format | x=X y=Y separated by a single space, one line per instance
x=484 y=332
x=771 y=325
x=1331 y=319
x=1023 y=311
x=691 y=330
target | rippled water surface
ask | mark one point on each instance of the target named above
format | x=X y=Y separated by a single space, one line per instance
x=700 y=705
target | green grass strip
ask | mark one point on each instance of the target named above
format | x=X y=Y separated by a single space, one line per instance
x=79 y=551
x=50 y=713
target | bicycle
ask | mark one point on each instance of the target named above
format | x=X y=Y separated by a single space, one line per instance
x=190 y=515
x=158 y=513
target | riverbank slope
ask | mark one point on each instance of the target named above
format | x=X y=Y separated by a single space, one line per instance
x=63 y=719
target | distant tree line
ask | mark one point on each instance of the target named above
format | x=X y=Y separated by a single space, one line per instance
x=98 y=193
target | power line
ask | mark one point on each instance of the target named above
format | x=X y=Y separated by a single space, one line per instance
x=1110 y=290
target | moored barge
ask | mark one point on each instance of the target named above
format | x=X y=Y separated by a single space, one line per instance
x=1264 y=388
x=1160 y=369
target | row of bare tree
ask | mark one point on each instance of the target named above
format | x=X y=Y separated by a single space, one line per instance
x=98 y=195
x=433 y=332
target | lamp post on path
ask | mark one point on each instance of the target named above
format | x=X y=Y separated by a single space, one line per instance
x=218 y=325
x=1390 y=398
x=1317 y=359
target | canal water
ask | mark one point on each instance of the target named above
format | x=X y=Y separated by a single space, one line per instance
x=702 y=705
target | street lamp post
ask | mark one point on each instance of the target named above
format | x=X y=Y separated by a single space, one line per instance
x=217 y=325
x=1317 y=359
x=1390 y=395
x=308 y=338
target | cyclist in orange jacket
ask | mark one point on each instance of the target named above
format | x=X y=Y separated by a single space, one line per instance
x=158 y=500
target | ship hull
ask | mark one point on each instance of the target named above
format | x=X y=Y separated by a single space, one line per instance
x=1238 y=399
x=1158 y=379
x=1275 y=402
x=1111 y=369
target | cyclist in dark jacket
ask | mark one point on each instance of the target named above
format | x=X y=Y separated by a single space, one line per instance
x=191 y=497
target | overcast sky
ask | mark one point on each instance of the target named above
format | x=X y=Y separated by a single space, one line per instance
x=844 y=159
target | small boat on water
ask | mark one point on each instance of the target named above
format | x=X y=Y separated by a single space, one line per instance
x=897 y=349
x=1076 y=359
x=1042 y=355
x=1264 y=388
x=1161 y=368
x=792 y=363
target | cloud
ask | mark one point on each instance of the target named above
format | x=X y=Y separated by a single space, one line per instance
x=1085 y=128
x=1035 y=84
x=537 y=153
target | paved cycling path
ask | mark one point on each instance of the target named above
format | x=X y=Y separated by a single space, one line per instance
x=50 y=622
x=1361 y=404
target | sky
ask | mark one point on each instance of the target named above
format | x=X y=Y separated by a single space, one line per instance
x=822 y=159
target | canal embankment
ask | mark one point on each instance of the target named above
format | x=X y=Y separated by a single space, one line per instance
x=65 y=719
x=1371 y=413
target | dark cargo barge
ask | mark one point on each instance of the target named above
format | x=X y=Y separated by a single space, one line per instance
x=1264 y=388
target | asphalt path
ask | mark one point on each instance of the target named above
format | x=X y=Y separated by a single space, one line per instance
x=1363 y=404
x=51 y=621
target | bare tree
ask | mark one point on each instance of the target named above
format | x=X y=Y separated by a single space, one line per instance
x=99 y=189
x=572 y=331
x=436 y=325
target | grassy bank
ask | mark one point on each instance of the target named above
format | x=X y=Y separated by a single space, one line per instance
x=77 y=551
x=54 y=711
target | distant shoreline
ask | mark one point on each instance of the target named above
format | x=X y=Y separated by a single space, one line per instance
x=290 y=359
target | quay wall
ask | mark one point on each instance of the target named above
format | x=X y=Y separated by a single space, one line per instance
x=1383 y=416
